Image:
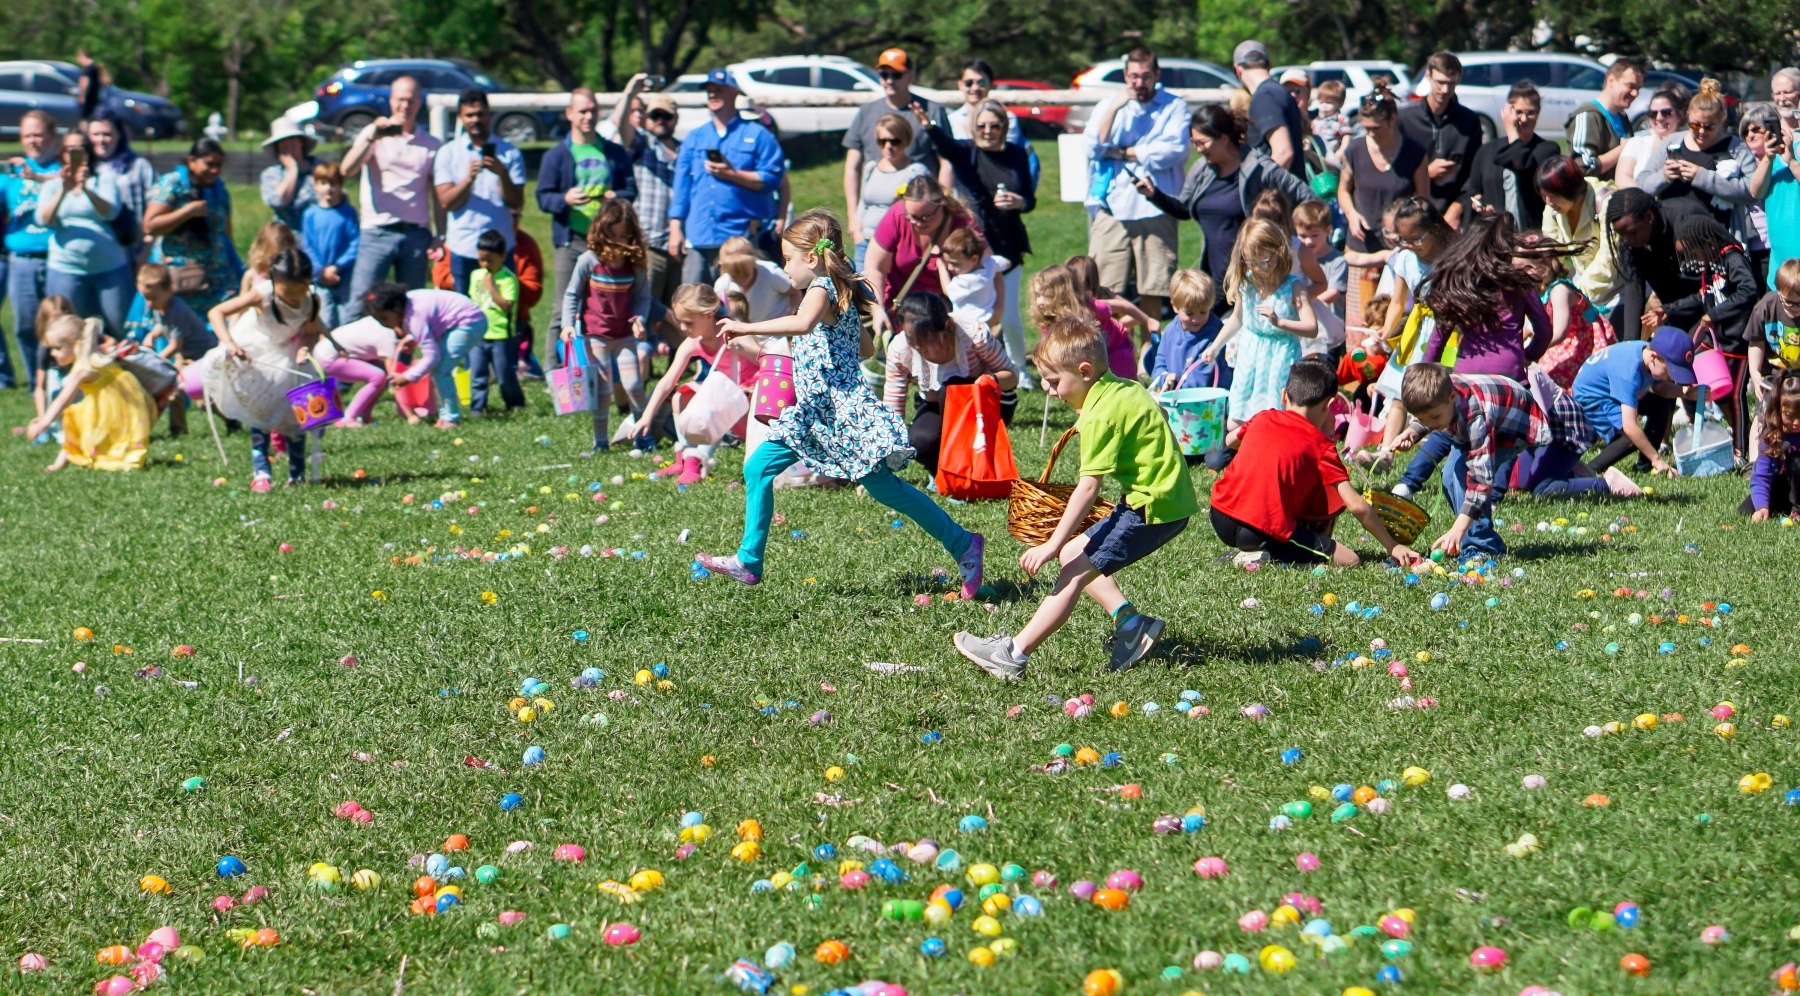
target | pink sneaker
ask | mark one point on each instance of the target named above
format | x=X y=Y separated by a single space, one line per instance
x=692 y=471
x=729 y=567
x=970 y=565
x=261 y=484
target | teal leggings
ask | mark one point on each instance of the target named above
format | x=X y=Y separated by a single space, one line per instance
x=773 y=457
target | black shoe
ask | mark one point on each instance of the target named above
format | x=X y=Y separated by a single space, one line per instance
x=1133 y=640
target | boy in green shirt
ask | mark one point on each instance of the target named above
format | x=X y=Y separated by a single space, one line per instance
x=495 y=290
x=1124 y=435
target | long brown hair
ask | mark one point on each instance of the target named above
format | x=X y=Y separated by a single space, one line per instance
x=818 y=233
x=1058 y=285
x=1781 y=408
x=614 y=236
x=1477 y=269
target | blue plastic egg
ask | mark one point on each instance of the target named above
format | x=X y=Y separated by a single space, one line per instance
x=692 y=818
x=1112 y=760
x=1724 y=606
x=933 y=947
x=1665 y=647
x=1792 y=798
x=1027 y=906
x=1410 y=578
x=1280 y=823
x=1386 y=786
x=1237 y=964
x=1562 y=644
x=533 y=756
x=660 y=670
x=1291 y=756
x=932 y=737
x=1353 y=608
x=592 y=673
x=435 y=865
x=1491 y=602
x=230 y=867
x=761 y=885
x=1193 y=823
x=1192 y=696
x=1440 y=602
x=528 y=686
x=580 y=635
x=446 y=901
x=1388 y=973
x=1342 y=791
x=511 y=801
x=972 y=824
x=948 y=860
x=953 y=897
x=888 y=871
x=557 y=931
x=453 y=873
x=1316 y=609
x=1626 y=916
x=1317 y=928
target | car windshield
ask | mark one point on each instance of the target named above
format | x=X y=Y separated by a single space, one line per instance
x=485 y=81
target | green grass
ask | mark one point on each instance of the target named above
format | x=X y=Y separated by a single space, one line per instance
x=90 y=784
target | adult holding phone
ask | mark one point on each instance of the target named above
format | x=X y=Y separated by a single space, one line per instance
x=1776 y=180
x=394 y=156
x=27 y=242
x=726 y=179
x=480 y=180
x=86 y=263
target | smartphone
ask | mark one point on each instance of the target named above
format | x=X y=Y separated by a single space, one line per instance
x=487 y=150
x=387 y=131
x=714 y=155
x=654 y=82
x=77 y=159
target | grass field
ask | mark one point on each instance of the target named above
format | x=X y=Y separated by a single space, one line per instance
x=93 y=763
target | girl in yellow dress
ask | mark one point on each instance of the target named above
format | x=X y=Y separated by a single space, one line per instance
x=109 y=428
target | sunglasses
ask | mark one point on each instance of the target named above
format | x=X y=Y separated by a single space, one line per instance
x=660 y=116
x=886 y=140
x=975 y=84
x=1703 y=125
x=1662 y=112
x=888 y=75
x=989 y=126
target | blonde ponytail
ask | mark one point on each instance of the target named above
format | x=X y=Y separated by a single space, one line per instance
x=817 y=233
x=1708 y=100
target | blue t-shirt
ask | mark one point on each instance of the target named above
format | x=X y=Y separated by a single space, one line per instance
x=1782 y=208
x=23 y=233
x=141 y=322
x=1610 y=380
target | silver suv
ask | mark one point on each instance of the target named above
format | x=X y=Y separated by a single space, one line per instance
x=1565 y=81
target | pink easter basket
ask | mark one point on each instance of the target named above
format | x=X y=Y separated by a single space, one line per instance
x=774 y=387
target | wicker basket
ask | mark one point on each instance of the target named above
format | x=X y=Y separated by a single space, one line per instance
x=1037 y=507
x=1402 y=518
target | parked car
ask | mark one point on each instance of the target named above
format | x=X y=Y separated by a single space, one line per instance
x=1357 y=75
x=1564 y=81
x=804 y=75
x=1035 y=121
x=358 y=93
x=1177 y=74
x=52 y=86
x=1689 y=78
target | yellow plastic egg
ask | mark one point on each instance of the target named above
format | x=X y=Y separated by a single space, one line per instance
x=1358 y=991
x=1005 y=947
x=646 y=880
x=1415 y=776
x=982 y=873
x=327 y=873
x=1779 y=721
x=1328 y=599
x=643 y=677
x=544 y=706
x=1319 y=793
x=1726 y=730
x=1277 y=959
x=366 y=879
x=1423 y=657
x=1284 y=916
x=747 y=851
x=526 y=714
x=1120 y=710
x=448 y=890
x=849 y=865
x=1613 y=727
x=997 y=904
x=1755 y=784
x=781 y=880
x=699 y=833
x=981 y=956
x=155 y=885
x=938 y=913
x=833 y=773
x=1644 y=721
x=986 y=925
x=1406 y=913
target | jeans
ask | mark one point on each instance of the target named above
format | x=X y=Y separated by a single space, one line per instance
x=1481 y=536
x=372 y=378
x=400 y=247
x=1425 y=460
x=862 y=253
x=460 y=269
x=259 y=454
x=603 y=354
x=334 y=304
x=106 y=296
x=700 y=265
x=498 y=358
x=774 y=456
x=457 y=343
x=1012 y=325
x=25 y=280
x=1556 y=471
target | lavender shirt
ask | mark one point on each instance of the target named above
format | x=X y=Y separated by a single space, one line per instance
x=431 y=315
x=1498 y=348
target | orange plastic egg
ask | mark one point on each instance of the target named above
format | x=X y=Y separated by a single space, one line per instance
x=1635 y=964
x=1597 y=800
x=831 y=952
x=424 y=906
x=1087 y=755
x=457 y=842
x=1102 y=982
x=749 y=830
x=117 y=954
x=267 y=938
x=83 y=633
x=1131 y=790
x=1112 y=899
x=424 y=885
x=1362 y=795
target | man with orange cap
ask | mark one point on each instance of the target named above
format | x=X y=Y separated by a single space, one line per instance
x=895 y=68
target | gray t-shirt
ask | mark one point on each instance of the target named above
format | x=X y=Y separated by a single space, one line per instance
x=880 y=189
x=861 y=135
x=1337 y=276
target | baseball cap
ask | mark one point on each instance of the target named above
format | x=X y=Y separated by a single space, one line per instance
x=719 y=77
x=1246 y=49
x=658 y=102
x=1677 y=350
x=1295 y=75
x=895 y=59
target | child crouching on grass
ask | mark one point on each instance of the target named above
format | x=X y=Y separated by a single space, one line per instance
x=1280 y=499
x=1123 y=435
x=696 y=308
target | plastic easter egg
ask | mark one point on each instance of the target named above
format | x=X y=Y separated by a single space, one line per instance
x=118 y=985
x=1344 y=812
x=1112 y=899
x=154 y=884
x=1714 y=935
x=511 y=801
x=1102 y=982
x=1083 y=890
x=1125 y=879
x=436 y=865
x=1285 y=915
x=1415 y=776
x=986 y=926
x=831 y=953
x=621 y=934
x=1488 y=958
x=854 y=879
x=948 y=895
x=447 y=900
x=1635 y=964
x=1396 y=949
x=1206 y=961
x=1237 y=964
x=646 y=880
x=1276 y=959
x=947 y=860
x=1027 y=906
x=1358 y=991
x=1298 y=810
x=746 y=851
x=1395 y=926
x=193 y=784
x=1253 y=922
x=230 y=867
x=557 y=931
x=569 y=852
x=972 y=824
x=982 y=873
x=533 y=756
x=932 y=947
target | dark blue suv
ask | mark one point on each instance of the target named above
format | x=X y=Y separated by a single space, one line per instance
x=358 y=94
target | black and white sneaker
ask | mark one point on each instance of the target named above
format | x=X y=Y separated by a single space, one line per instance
x=1133 y=640
x=992 y=654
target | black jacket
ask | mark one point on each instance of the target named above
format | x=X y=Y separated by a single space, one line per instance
x=1004 y=230
x=1456 y=135
x=1728 y=294
x=1652 y=269
x=1501 y=159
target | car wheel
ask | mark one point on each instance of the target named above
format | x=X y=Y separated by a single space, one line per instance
x=1489 y=130
x=517 y=128
x=354 y=122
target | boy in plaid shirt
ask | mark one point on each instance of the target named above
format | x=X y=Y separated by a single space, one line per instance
x=1491 y=420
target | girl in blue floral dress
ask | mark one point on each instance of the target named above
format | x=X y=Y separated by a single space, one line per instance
x=836 y=424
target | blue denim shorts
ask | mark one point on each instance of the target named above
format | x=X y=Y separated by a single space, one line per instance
x=1124 y=538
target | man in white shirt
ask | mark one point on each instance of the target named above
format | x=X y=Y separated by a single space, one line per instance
x=1141 y=132
x=398 y=203
x=480 y=181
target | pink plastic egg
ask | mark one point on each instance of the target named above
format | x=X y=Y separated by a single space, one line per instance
x=855 y=878
x=891 y=990
x=1488 y=957
x=510 y=917
x=364 y=816
x=346 y=810
x=1303 y=902
x=1306 y=861
x=1397 y=669
x=1211 y=868
x=1714 y=934
x=569 y=852
x=1125 y=879
x=224 y=904
x=349 y=660
x=1206 y=961
x=168 y=937
x=1043 y=879
x=1087 y=698
x=622 y=933
x=255 y=894
x=1394 y=926
x=1723 y=711
x=145 y=972
x=1378 y=805
x=118 y=985
x=1536 y=991
x=1253 y=922
x=1083 y=890
x=150 y=951
x=33 y=962
x=286 y=548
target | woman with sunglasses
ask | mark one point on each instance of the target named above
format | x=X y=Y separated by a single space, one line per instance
x=1667 y=113
x=1760 y=128
x=883 y=180
x=1707 y=168
x=901 y=250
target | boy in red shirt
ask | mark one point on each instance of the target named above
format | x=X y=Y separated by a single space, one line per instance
x=1280 y=497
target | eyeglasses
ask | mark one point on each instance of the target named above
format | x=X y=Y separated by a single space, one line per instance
x=1662 y=112
x=989 y=126
x=887 y=140
x=1416 y=240
x=888 y=75
x=975 y=84
x=660 y=116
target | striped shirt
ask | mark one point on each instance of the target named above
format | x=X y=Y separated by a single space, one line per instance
x=977 y=353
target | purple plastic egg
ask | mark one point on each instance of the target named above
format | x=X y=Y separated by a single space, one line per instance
x=1083 y=890
x=1125 y=879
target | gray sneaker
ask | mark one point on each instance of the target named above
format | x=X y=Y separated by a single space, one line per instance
x=1133 y=640
x=991 y=654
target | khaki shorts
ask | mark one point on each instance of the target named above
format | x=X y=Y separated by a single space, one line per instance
x=1147 y=245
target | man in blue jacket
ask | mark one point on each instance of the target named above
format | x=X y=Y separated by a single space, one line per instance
x=576 y=175
x=726 y=180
